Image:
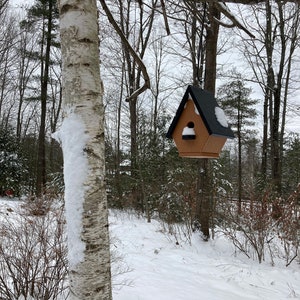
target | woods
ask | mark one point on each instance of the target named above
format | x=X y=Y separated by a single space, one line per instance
x=102 y=140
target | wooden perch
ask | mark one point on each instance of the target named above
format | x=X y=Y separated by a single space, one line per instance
x=132 y=52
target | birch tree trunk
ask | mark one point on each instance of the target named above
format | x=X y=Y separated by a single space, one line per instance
x=82 y=138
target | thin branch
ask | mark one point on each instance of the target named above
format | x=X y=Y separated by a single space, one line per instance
x=131 y=50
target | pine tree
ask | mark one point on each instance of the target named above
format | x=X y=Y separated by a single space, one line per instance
x=12 y=164
x=291 y=163
x=234 y=98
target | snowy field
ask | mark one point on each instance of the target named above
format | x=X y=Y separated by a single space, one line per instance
x=151 y=266
x=162 y=270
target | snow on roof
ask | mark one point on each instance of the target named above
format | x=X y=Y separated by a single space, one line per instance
x=221 y=117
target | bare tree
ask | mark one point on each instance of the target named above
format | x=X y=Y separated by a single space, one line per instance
x=25 y=70
x=8 y=33
x=272 y=56
x=47 y=13
x=135 y=41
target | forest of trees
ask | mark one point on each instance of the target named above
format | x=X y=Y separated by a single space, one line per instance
x=150 y=51
x=143 y=169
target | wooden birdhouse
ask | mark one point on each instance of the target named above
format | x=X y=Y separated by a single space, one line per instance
x=199 y=128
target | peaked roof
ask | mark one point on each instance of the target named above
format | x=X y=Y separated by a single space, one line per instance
x=205 y=103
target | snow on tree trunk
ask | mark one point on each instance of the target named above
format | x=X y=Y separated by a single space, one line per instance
x=82 y=138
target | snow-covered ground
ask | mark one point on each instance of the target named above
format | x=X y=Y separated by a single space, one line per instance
x=154 y=267
x=162 y=270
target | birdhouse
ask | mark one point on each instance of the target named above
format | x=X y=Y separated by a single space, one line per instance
x=199 y=128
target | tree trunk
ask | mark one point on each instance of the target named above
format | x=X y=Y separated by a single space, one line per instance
x=203 y=205
x=55 y=115
x=264 y=159
x=211 y=49
x=41 y=159
x=276 y=178
x=202 y=213
x=82 y=137
x=209 y=85
x=239 y=134
x=118 y=144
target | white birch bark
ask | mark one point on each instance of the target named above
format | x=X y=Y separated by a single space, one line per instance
x=82 y=138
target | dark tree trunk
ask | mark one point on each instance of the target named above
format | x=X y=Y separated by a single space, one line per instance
x=205 y=179
x=264 y=159
x=211 y=49
x=239 y=134
x=41 y=159
x=134 y=153
x=118 y=143
x=276 y=178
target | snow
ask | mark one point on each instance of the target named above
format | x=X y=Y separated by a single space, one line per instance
x=155 y=265
x=161 y=269
x=188 y=131
x=73 y=139
x=221 y=117
x=196 y=110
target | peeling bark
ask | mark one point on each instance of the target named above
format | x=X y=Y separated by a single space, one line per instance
x=89 y=274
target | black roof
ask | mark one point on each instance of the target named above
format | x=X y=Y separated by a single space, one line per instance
x=206 y=103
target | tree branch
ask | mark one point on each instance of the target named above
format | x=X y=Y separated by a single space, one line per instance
x=163 y=8
x=131 y=50
x=224 y=24
x=226 y=12
x=3 y=5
